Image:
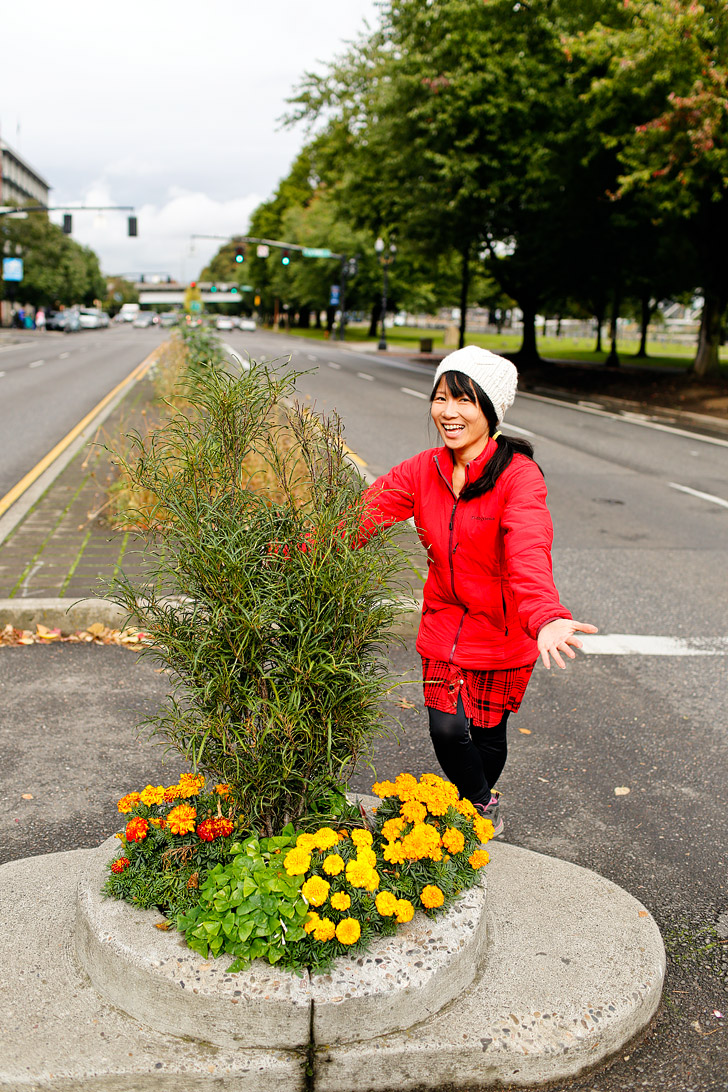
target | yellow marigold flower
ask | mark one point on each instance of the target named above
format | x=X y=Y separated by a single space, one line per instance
x=406 y=786
x=316 y=890
x=422 y=841
x=324 y=929
x=157 y=822
x=152 y=795
x=360 y=874
x=361 y=838
x=348 y=931
x=435 y=854
x=483 y=828
x=325 y=838
x=181 y=820
x=478 y=858
x=312 y=922
x=187 y=788
x=466 y=808
x=405 y=911
x=367 y=856
x=129 y=801
x=393 y=853
x=341 y=901
x=413 y=811
x=172 y=792
x=222 y=789
x=386 y=904
x=382 y=789
x=453 y=840
x=344 y=833
x=431 y=896
x=306 y=841
x=392 y=829
x=297 y=861
x=333 y=864
x=196 y=779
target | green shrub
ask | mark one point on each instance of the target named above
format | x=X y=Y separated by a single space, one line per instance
x=272 y=625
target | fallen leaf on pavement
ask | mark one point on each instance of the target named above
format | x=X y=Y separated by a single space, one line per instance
x=163 y=925
x=643 y=914
x=525 y=731
x=27 y=796
x=96 y=628
x=621 y=790
x=405 y=704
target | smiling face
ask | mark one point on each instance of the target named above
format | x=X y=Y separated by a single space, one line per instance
x=460 y=421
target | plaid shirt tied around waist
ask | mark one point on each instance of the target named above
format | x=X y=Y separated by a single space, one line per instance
x=486 y=695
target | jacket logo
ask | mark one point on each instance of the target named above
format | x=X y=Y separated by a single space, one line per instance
x=484 y=519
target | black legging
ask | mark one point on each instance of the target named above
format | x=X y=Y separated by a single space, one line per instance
x=473 y=758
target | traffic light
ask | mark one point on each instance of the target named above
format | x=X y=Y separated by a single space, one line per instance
x=132 y=226
x=285 y=260
x=239 y=254
x=213 y=288
x=67 y=223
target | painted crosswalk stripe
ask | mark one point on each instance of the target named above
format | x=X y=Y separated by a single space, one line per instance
x=696 y=493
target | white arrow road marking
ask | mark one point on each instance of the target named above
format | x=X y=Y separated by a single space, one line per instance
x=415 y=394
x=697 y=493
x=636 y=644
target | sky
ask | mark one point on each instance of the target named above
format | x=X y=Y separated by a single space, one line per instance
x=171 y=107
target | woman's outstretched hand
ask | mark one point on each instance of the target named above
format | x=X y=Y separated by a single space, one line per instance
x=558 y=636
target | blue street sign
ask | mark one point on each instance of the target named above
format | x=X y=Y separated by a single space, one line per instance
x=12 y=269
x=334 y=296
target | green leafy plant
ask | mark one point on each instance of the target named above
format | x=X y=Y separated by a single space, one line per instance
x=272 y=624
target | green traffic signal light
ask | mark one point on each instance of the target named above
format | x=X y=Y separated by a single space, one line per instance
x=285 y=260
x=239 y=255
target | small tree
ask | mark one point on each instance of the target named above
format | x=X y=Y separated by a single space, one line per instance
x=271 y=623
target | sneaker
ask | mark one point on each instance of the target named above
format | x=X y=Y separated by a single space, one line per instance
x=492 y=811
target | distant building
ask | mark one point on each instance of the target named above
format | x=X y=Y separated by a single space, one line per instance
x=19 y=183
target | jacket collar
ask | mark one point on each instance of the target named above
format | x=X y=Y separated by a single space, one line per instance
x=445 y=461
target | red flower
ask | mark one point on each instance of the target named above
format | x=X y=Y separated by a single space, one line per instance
x=120 y=864
x=136 y=830
x=218 y=827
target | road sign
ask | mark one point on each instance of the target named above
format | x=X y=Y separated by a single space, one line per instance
x=316 y=252
x=12 y=269
x=334 y=296
x=195 y=305
x=262 y=250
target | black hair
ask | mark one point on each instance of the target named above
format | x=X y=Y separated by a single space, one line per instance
x=462 y=386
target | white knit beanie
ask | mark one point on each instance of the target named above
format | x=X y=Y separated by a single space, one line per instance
x=495 y=375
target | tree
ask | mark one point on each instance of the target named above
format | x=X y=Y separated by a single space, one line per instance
x=56 y=269
x=658 y=92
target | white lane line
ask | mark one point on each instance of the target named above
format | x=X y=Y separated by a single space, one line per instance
x=18 y=345
x=635 y=644
x=2 y=374
x=697 y=493
x=581 y=407
x=36 y=363
x=62 y=356
x=515 y=428
x=335 y=366
x=415 y=394
x=365 y=375
x=313 y=358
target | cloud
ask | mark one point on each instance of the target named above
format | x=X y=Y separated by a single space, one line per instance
x=164 y=243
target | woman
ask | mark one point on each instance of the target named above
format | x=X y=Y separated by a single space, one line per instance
x=490 y=605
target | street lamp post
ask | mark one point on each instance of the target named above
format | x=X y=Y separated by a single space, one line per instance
x=386 y=260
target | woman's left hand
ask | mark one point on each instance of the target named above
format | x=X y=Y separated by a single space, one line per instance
x=558 y=636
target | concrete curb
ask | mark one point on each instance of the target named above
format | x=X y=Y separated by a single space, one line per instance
x=574 y=970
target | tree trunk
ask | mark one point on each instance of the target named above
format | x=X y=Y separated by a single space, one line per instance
x=374 y=318
x=528 y=352
x=645 y=316
x=464 y=287
x=599 y=319
x=706 y=361
x=304 y=318
x=612 y=360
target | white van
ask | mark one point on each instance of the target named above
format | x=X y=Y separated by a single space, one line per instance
x=128 y=312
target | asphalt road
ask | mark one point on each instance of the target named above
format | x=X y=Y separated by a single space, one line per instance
x=50 y=381
x=633 y=554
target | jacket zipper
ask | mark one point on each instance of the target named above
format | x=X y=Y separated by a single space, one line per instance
x=452 y=548
x=503 y=600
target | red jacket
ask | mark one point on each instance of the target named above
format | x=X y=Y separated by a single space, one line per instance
x=489 y=587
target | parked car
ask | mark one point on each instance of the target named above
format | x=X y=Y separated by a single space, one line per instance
x=93 y=318
x=169 y=318
x=128 y=312
x=144 y=318
x=247 y=324
x=224 y=322
x=67 y=320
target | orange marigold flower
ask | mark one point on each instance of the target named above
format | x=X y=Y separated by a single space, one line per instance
x=405 y=911
x=129 y=801
x=341 y=901
x=413 y=811
x=120 y=864
x=333 y=864
x=478 y=858
x=362 y=839
x=392 y=829
x=152 y=795
x=483 y=828
x=136 y=830
x=406 y=786
x=222 y=789
x=325 y=838
x=360 y=874
x=383 y=789
x=466 y=808
x=348 y=931
x=367 y=856
x=316 y=890
x=431 y=896
x=217 y=827
x=172 y=792
x=312 y=921
x=181 y=820
x=223 y=826
x=453 y=840
x=393 y=853
x=297 y=861
x=324 y=929
x=386 y=903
